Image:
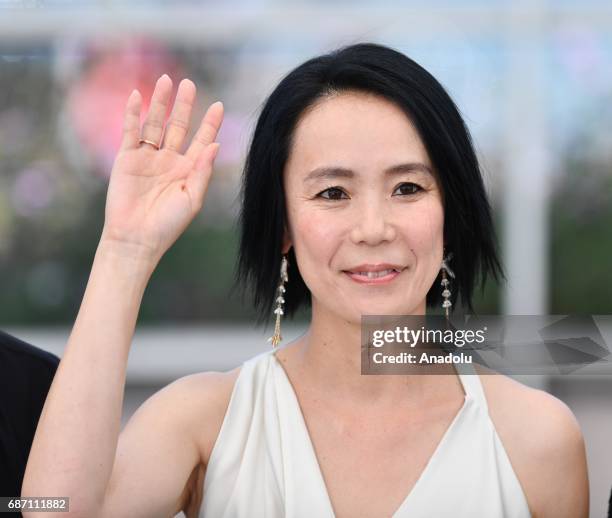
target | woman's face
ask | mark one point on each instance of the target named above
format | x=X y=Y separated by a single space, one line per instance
x=349 y=204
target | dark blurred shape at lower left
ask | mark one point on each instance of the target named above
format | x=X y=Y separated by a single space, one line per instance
x=26 y=373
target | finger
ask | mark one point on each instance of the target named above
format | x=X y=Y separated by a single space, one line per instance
x=131 y=122
x=197 y=181
x=154 y=123
x=178 y=125
x=207 y=132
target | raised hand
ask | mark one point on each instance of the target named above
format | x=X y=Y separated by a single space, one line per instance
x=155 y=188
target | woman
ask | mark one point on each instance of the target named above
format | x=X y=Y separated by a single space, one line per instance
x=360 y=162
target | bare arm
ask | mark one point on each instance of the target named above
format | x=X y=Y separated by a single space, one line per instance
x=563 y=483
x=544 y=443
x=153 y=195
x=548 y=452
x=79 y=425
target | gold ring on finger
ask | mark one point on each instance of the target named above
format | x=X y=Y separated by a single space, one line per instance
x=154 y=144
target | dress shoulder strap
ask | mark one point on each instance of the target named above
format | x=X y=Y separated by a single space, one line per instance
x=472 y=385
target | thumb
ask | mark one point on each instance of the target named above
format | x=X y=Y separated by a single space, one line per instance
x=197 y=181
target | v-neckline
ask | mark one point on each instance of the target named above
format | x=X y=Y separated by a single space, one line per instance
x=428 y=466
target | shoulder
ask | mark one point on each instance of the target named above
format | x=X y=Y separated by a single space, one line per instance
x=203 y=398
x=171 y=429
x=28 y=371
x=196 y=404
x=544 y=443
x=16 y=349
x=543 y=421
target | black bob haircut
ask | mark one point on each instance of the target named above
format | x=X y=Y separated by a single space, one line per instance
x=375 y=69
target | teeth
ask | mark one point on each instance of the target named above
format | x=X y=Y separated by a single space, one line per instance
x=374 y=275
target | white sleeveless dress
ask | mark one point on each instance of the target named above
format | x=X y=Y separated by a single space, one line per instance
x=263 y=463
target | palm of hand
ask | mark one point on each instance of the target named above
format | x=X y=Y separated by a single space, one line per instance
x=149 y=200
x=154 y=194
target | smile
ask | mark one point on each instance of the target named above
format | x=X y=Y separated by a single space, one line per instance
x=379 y=277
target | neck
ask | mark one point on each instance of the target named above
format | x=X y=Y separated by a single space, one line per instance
x=328 y=357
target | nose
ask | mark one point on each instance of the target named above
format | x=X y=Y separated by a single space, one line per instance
x=372 y=223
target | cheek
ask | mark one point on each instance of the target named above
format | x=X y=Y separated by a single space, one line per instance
x=313 y=233
x=427 y=226
x=316 y=241
x=430 y=243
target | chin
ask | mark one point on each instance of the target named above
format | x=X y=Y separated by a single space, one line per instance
x=380 y=309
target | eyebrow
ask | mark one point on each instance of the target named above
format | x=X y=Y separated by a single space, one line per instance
x=342 y=172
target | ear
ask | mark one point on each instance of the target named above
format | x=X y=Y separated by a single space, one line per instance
x=287 y=243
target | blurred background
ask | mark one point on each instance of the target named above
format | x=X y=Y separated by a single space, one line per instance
x=533 y=80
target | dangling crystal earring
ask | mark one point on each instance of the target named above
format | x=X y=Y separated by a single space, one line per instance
x=276 y=337
x=446 y=293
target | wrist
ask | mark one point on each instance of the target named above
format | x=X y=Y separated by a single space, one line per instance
x=134 y=259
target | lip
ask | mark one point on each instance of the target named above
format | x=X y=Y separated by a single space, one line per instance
x=374 y=268
x=367 y=267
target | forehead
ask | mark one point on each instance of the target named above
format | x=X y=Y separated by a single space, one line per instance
x=356 y=130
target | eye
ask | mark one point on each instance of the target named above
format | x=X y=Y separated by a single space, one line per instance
x=409 y=188
x=334 y=193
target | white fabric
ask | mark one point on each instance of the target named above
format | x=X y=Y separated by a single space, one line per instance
x=263 y=463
